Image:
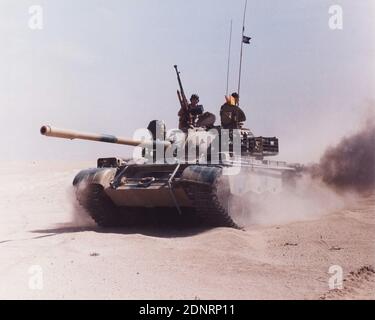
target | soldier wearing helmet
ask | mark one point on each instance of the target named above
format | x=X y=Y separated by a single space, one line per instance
x=189 y=117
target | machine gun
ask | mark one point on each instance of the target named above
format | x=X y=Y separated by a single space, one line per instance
x=182 y=97
x=181 y=93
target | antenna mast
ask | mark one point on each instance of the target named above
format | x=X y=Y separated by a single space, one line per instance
x=229 y=53
x=242 y=43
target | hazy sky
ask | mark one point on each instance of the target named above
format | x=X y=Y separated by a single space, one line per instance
x=107 y=67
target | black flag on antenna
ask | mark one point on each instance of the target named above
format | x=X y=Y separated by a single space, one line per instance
x=246 y=39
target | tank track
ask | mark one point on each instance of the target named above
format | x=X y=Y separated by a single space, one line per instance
x=207 y=206
x=107 y=215
x=99 y=206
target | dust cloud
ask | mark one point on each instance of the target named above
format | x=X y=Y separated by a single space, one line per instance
x=345 y=173
x=307 y=199
x=79 y=217
x=350 y=166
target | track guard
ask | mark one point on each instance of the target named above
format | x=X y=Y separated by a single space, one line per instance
x=99 y=176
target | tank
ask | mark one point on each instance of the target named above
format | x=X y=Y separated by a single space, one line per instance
x=195 y=180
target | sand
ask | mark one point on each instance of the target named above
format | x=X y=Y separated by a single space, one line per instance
x=70 y=258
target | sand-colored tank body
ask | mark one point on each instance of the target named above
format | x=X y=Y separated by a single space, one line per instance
x=119 y=192
x=188 y=189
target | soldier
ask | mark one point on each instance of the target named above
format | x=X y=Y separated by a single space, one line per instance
x=195 y=109
x=189 y=116
x=232 y=116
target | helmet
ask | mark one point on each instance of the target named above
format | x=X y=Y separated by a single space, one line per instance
x=194 y=96
x=157 y=129
x=235 y=95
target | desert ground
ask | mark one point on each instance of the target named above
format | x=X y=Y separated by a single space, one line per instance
x=39 y=226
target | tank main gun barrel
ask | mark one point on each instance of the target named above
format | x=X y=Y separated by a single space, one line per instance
x=72 y=134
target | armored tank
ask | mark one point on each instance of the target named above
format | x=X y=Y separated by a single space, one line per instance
x=196 y=179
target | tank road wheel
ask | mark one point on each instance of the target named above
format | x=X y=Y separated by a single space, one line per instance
x=99 y=205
